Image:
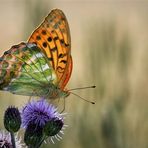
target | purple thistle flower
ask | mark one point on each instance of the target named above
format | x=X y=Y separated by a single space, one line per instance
x=41 y=120
x=5 y=140
x=39 y=112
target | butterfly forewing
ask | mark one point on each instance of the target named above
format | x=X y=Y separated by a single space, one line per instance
x=53 y=37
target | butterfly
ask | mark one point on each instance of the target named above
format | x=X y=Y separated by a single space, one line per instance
x=42 y=66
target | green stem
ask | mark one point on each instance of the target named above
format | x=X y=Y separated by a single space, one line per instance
x=13 y=140
x=40 y=143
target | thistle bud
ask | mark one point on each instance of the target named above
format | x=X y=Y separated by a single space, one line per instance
x=12 y=119
x=33 y=135
x=53 y=127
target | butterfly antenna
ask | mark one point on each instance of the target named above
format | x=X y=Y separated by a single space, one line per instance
x=93 y=86
x=82 y=98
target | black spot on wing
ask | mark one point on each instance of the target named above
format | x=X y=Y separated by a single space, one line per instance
x=53 y=49
x=56 y=38
x=67 y=45
x=63 y=61
x=60 y=69
x=61 y=55
x=15 y=46
x=49 y=39
x=62 y=41
x=44 y=44
x=7 y=52
x=44 y=32
x=38 y=37
x=50 y=59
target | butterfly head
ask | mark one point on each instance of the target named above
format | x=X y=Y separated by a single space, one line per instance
x=64 y=93
x=55 y=92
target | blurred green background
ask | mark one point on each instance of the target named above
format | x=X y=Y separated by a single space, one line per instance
x=110 y=50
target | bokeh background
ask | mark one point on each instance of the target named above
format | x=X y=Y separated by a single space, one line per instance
x=110 y=50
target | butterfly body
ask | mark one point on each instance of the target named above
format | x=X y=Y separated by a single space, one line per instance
x=41 y=67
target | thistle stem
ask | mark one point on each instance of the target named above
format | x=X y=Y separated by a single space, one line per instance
x=40 y=143
x=12 y=140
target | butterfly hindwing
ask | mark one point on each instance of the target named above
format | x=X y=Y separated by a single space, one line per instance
x=25 y=70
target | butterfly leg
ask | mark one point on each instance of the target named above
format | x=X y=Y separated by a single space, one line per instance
x=30 y=97
x=58 y=100
x=63 y=106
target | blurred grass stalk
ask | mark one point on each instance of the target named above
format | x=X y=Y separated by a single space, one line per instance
x=118 y=121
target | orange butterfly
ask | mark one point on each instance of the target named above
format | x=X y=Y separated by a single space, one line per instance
x=43 y=66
